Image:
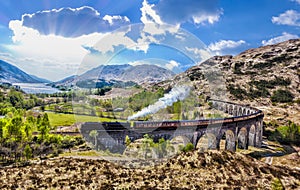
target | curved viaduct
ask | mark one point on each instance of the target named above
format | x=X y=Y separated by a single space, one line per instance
x=243 y=129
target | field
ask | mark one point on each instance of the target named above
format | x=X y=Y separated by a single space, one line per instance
x=59 y=119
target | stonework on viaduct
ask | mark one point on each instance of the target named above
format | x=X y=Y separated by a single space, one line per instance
x=243 y=129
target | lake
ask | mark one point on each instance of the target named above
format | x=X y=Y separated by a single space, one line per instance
x=35 y=88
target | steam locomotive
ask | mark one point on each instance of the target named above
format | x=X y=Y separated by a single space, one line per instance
x=177 y=123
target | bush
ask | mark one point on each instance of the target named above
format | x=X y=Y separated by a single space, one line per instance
x=263 y=65
x=188 y=147
x=237 y=92
x=286 y=134
x=276 y=184
x=27 y=152
x=282 y=96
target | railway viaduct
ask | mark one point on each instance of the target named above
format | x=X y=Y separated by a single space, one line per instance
x=244 y=128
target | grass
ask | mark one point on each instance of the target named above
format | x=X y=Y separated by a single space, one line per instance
x=60 y=119
x=83 y=153
x=90 y=153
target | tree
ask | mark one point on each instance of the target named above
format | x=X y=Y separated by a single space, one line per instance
x=44 y=127
x=2 y=125
x=42 y=108
x=292 y=131
x=27 y=152
x=94 y=134
x=28 y=130
x=127 y=140
x=16 y=98
x=14 y=128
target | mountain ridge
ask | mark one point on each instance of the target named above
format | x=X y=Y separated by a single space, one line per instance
x=138 y=74
x=12 y=74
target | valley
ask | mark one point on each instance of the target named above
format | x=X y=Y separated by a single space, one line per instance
x=35 y=152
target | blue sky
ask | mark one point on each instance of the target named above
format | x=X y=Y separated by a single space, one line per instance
x=54 y=39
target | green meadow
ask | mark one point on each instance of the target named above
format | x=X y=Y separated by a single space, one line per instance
x=60 y=119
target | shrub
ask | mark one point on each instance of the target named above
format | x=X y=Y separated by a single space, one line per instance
x=282 y=96
x=263 y=65
x=286 y=134
x=237 y=92
x=188 y=147
x=27 y=152
x=276 y=184
x=127 y=140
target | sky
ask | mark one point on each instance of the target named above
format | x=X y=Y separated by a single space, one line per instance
x=54 y=39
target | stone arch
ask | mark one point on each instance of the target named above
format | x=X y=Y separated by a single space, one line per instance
x=222 y=142
x=207 y=141
x=179 y=141
x=244 y=111
x=230 y=140
x=226 y=108
x=243 y=138
x=215 y=104
x=230 y=109
x=248 y=112
x=235 y=111
x=240 y=111
x=221 y=107
x=252 y=135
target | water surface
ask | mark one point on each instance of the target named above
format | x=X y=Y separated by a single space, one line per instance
x=35 y=88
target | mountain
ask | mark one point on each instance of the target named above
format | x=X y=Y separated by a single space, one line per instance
x=146 y=74
x=12 y=74
x=106 y=72
x=64 y=82
x=125 y=73
x=41 y=80
x=267 y=77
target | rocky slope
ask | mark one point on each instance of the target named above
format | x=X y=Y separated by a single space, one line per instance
x=192 y=170
x=267 y=77
x=12 y=74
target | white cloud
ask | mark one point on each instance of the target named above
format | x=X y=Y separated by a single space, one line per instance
x=32 y=47
x=172 y=64
x=290 y=17
x=209 y=18
x=153 y=24
x=178 y=11
x=54 y=42
x=285 y=36
x=112 y=19
x=222 y=45
x=69 y=22
x=148 y=14
x=202 y=54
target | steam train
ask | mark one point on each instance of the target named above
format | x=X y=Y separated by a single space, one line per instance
x=177 y=123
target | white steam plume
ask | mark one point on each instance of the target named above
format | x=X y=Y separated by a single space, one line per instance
x=177 y=93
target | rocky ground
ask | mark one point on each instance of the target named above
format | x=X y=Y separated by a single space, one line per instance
x=192 y=170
